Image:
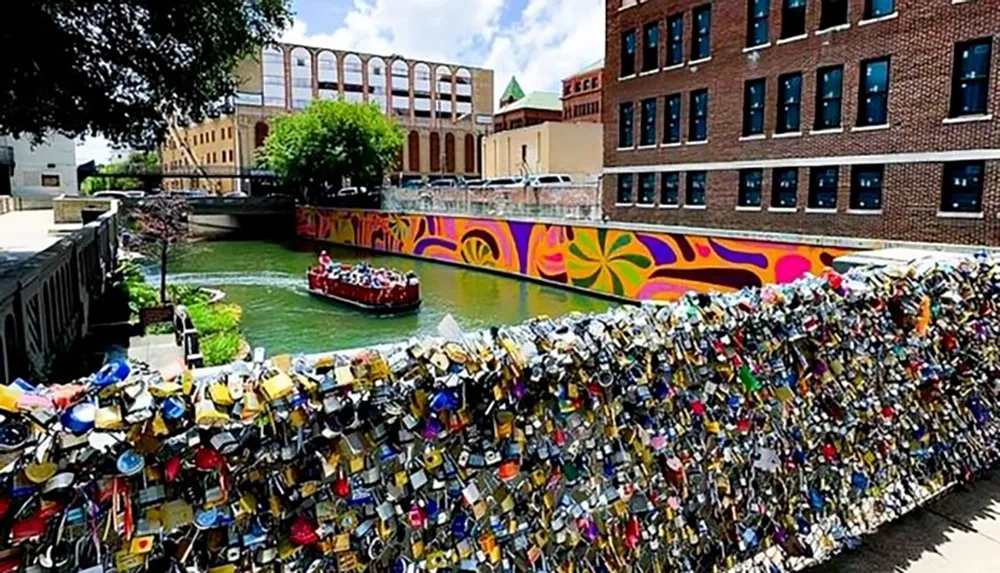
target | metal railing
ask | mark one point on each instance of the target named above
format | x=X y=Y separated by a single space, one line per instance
x=570 y=202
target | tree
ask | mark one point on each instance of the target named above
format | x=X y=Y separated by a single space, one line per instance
x=161 y=223
x=139 y=162
x=331 y=140
x=121 y=68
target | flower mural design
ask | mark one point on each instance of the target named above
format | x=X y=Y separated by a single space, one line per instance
x=606 y=260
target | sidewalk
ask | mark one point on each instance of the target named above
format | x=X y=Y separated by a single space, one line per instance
x=23 y=234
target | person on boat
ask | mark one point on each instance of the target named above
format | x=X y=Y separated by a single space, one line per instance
x=325 y=261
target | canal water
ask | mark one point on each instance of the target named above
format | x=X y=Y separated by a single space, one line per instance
x=268 y=280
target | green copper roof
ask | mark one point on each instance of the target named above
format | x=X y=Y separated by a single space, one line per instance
x=535 y=100
x=592 y=67
x=513 y=91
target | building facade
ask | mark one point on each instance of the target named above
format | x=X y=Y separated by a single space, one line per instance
x=445 y=109
x=854 y=118
x=518 y=110
x=581 y=94
x=38 y=172
x=567 y=148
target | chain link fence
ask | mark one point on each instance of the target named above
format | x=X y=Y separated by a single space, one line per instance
x=571 y=202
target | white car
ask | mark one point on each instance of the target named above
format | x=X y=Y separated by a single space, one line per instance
x=549 y=180
x=352 y=191
x=504 y=182
x=119 y=195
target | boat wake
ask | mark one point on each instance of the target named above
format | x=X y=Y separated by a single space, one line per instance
x=260 y=279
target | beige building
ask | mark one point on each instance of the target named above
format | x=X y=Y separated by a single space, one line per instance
x=445 y=109
x=551 y=147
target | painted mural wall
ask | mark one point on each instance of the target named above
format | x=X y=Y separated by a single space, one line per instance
x=622 y=262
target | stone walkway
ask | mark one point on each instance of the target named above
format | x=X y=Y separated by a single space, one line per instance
x=160 y=351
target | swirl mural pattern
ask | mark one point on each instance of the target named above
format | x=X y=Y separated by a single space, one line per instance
x=635 y=265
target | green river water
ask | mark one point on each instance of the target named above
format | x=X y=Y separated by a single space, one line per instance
x=268 y=281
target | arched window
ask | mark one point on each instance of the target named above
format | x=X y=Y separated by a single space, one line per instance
x=470 y=153
x=435 y=152
x=273 y=68
x=260 y=132
x=444 y=80
x=353 y=78
x=400 y=88
x=377 y=82
x=414 y=152
x=302 y=92
x=327 y=75
x=422 y=90
x=449 y=153
x=463 y=92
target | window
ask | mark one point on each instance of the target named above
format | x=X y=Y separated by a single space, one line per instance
x=873 y=101
x=963 y=187
x=50 y=180
x=675 y=29
x=647 y=188
x=866 y=187
x=651 y=46
x=625 y=112
x=672 y=119
x=576 y=87
x=789 y=103
x=758 y=21
x=624 y=188
x=586 y=84
x=879 y=8
x=793 y=18
x=701 y=35
x=670 y=188
x=628 y=54
x=753 y=106
x=823 y=183
x=751 y=182
x=696 y=188
x=970 y=77
x=698 y=127
x=786 y=188
x=832 y=13
x=648 y=126
x=829 y=97
x=230 y=133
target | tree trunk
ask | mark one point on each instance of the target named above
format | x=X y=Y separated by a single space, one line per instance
x=163 y=273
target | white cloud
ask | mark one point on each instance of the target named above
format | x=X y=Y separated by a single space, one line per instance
x=547 y=41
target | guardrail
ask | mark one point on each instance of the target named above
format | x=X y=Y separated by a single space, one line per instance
x=570 y=202
x=187 y=337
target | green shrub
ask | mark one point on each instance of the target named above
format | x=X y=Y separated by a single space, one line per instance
x=220 y=348
x=215 y=318
x=188 y=295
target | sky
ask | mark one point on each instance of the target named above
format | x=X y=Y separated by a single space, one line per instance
x=539 y=41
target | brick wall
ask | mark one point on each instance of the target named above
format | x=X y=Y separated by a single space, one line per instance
x=920 y=41
x=580 y=91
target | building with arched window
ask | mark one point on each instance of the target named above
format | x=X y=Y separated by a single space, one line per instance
x=443 y=108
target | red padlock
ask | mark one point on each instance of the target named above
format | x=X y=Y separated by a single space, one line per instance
x=303 y=532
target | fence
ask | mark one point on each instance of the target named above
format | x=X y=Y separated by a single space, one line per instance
x=572 y=202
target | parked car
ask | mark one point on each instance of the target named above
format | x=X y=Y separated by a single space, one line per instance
x=120 y=195
x=504 y=182
x=236 y=195
x=549 y=180
x=476 y=183
x=413 y=184
x=352 y=191
x=441 y=183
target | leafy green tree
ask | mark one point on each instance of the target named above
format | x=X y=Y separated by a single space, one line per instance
x=138 y=162
x=121 y=68
x=330 y=141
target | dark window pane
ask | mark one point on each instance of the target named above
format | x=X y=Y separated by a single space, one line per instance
x=866 y=187
x=963 y=187
x=879 y=8
x=753 y=106
x=648 y=135
x=701 y=35
x=758 y=21
x=651 y=46
x=628 y=54
x=751 y=185
x=793 y=18
x=672 y=119
x=789 y=103
x=786 y=187
x=829 y=97
x=970 y=81
x=647 y=188
x=873 y=101
x=823 y=183
x=698 y=128
x=670 y=187
x=624 y=188
x=696 y=182
x=675 y=27
x=625 y=129
x=832 y=13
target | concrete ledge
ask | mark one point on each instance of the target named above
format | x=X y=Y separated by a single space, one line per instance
x=6 y=205
x=70 y=209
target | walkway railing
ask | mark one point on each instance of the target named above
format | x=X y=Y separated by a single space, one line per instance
x=572 y=202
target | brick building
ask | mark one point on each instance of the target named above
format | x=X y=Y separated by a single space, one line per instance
x=445 y=109
x=518 y=110
x=581 y=95
x=860 y=118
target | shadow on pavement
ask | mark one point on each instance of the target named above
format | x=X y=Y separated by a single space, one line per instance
x=904 y=545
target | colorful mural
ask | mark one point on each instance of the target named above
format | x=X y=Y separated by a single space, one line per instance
x=621 y=262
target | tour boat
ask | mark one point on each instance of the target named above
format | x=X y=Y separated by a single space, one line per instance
x=383 y=300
